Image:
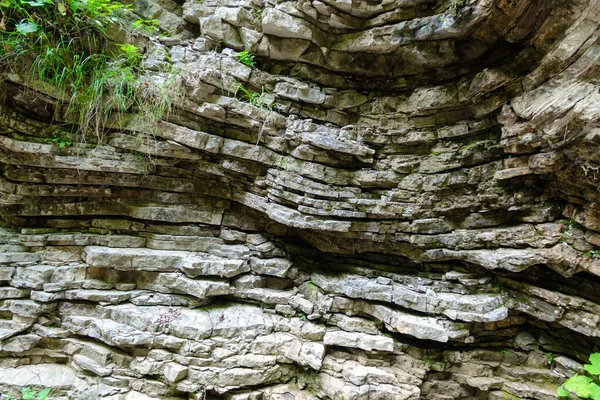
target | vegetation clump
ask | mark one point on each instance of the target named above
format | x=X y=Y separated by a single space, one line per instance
x=146 y=26
x=246 y=58
x=62 y=47
x=585 y=387
x=257 y=99
x=28 y=394
x=61 y=142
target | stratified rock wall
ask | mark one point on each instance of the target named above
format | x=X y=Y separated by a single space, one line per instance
x=408 y=208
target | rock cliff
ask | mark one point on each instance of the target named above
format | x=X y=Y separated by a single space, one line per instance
x=400 y=200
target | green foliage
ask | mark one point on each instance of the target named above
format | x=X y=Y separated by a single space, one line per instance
x=594 y=367
x=246 y=58
x=61 y=142
x=146 y=26
x=25 y=27
x=257 y=14
x=83 y=21
x=130 y=54
x=584 y=387
x=257 y=99
x=28 y=394
x=62 y=45
x=595 y=253
x=549 y=357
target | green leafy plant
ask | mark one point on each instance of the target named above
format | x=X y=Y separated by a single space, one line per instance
x=131 y=55
x=584 y=387
x=199 y=393
x=257 y=99
x=246 y=58
x=146 y=26
x=592 y=253
x=64 y=49
x=61 y=142
x=28 y=394
x=257 y=14
x=549 y=357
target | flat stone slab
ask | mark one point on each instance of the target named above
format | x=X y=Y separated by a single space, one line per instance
x=54 y=376
x=359 y=340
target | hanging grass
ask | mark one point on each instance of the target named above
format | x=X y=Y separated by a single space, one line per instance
x=62 y=46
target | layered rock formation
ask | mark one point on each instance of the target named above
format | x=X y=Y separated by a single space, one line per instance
x=407 y=208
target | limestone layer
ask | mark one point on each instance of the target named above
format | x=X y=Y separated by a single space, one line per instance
x=407 y=208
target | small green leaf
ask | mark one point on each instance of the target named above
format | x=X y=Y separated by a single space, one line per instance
x=592 y=369
x=26 y=27
x=595 y=359
x=43 y=394
x=75 y=5
x=27 y=393
x=562 y=392
x=62 y=9
x=595 y=392
x=579 y=384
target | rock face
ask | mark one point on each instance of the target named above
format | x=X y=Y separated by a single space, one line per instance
x=408 y=208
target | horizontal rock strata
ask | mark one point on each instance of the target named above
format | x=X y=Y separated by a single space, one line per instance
x=411 y=210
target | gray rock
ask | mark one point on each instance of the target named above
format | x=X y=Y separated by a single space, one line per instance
x=382 y=168
x=359 y=340
x=90 y=365
x=275 y=266
x=45 y=375
x=174 y=372
x=278 y=23
x=19 y=344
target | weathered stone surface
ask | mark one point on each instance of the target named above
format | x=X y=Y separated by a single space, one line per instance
x=42 y=375
x=174 y=372
x=359 y=340
x=404 y=205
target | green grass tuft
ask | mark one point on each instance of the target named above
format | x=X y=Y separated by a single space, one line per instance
x=64 y=49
